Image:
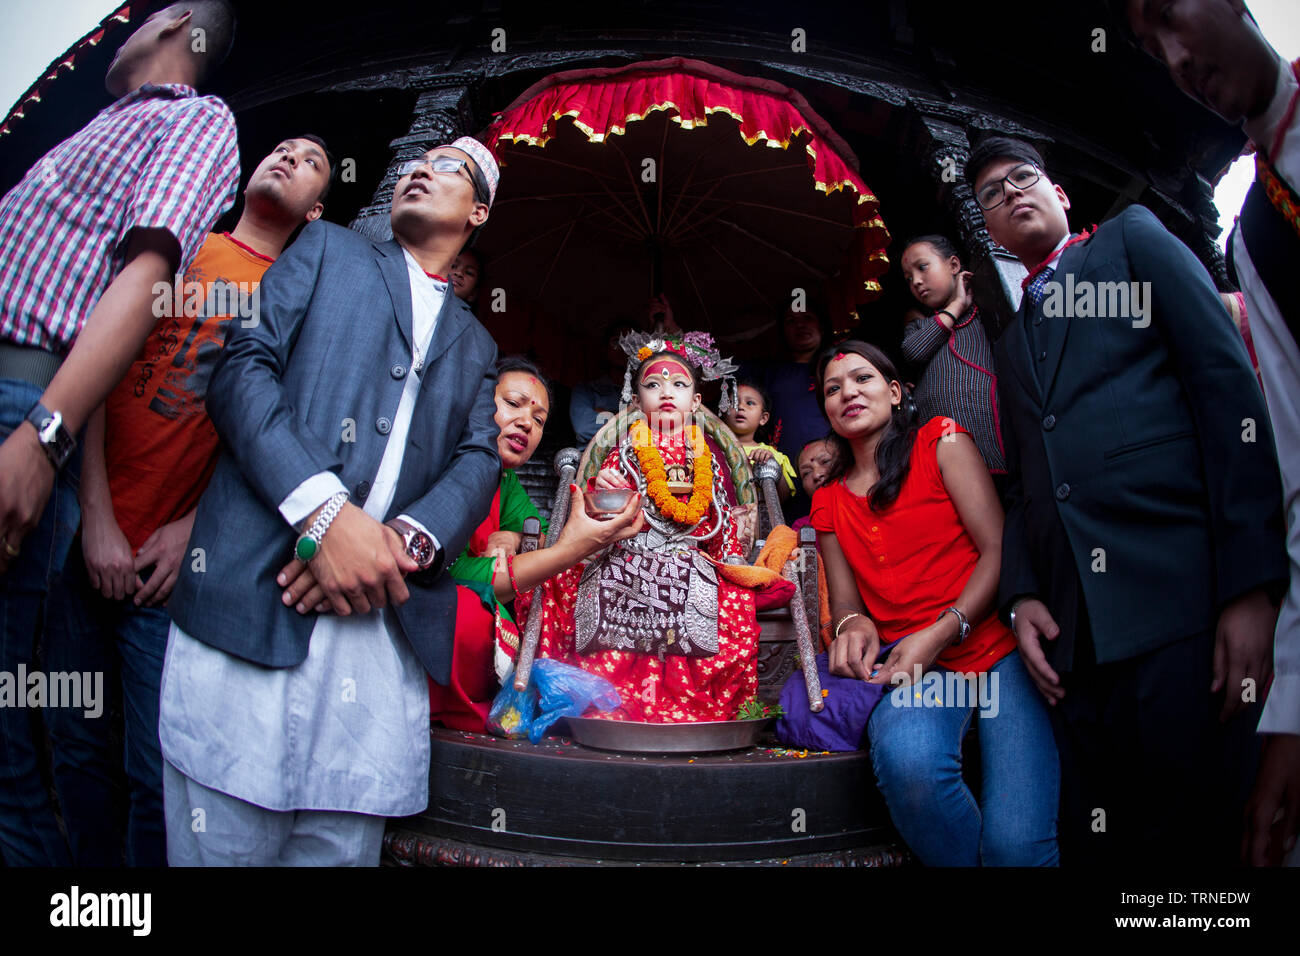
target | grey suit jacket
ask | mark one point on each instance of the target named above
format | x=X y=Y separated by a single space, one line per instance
x=314 y=385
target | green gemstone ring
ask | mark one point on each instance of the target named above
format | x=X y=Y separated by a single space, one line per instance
x=306 y=548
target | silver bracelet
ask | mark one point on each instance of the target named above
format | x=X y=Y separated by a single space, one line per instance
x=964 y=625
x=1012 y=615
x=844 y=620
x=309 y=543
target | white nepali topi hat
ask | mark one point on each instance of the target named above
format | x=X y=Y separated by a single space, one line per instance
x=485 y=161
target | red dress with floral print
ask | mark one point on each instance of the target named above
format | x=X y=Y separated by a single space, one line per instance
x=678 y=689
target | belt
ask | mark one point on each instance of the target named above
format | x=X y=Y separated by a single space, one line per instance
x=28 y=364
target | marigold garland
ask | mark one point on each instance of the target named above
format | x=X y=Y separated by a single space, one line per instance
x=652 y=466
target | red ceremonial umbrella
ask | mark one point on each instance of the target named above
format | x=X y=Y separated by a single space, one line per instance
x=727 y=193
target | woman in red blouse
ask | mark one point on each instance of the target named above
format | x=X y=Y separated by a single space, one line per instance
x=910 y=531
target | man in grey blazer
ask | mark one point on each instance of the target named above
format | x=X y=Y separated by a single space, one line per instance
x=359 y=449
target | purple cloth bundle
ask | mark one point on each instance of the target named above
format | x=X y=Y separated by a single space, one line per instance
x=842 y=722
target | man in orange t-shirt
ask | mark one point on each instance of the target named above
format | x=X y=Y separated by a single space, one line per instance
x=149 y=452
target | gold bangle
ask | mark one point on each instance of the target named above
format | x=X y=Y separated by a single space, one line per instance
x=844 y=620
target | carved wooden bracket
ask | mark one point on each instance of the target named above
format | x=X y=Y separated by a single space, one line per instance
x=442 y=113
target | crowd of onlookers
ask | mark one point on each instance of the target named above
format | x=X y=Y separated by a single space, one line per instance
x=1086 y=511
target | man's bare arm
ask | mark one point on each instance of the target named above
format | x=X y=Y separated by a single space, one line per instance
x=115 y=331
x=109 y=562
x=109 y=340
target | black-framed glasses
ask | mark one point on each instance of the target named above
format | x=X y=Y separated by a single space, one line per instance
x=448 y=165
x=994 y=194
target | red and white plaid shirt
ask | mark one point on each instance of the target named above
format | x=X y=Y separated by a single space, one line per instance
x=160 y=157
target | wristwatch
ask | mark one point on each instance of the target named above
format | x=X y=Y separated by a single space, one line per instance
x=419 y=545
x=56 y=442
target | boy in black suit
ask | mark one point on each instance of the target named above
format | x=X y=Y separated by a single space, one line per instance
x=1143 y=541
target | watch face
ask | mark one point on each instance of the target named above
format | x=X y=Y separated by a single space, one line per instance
x=420 y=547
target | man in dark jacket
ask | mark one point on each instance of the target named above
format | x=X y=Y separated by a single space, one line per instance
x=1143 y=543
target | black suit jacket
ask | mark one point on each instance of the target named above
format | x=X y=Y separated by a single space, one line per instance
x=1135 y=493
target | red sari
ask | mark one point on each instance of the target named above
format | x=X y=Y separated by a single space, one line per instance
x=677 y=689
x=483 y=624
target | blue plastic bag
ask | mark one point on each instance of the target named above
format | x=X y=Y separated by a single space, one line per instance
x=554 y=690
x=513 y=711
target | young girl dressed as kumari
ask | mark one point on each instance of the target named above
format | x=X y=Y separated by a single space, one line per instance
x=655 y=614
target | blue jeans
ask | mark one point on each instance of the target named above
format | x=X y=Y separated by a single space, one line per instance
x=916 y=737
x=84 y=631
x=29 y=832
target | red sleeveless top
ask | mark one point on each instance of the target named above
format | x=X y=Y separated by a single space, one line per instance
x=912 y=560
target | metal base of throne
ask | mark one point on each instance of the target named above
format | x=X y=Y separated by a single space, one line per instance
x=495 y=802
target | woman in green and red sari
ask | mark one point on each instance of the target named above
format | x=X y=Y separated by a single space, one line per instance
x=494 y=582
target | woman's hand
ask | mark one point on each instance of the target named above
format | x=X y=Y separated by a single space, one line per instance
x=586 y=535
x=610 y=478
x=853 y=652
x=918 y=649
x=507 y=542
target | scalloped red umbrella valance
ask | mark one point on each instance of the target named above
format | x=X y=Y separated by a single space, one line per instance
x=732 y=189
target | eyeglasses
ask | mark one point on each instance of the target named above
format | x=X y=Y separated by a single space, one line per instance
x=994 y=194
x=443 y=164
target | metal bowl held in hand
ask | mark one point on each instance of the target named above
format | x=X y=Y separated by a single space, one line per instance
x=634 y=736
x=606 y=502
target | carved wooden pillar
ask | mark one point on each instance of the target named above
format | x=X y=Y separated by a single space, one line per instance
x=945 y=149
x=1205 y=231
x=442 y=113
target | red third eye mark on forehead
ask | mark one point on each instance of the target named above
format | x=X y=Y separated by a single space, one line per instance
x=666 y=369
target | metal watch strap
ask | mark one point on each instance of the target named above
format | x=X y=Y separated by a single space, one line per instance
x=309 y=542
x=56 y=441
x=408 y=532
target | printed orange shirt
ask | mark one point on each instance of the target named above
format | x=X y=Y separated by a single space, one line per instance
x=160 y=446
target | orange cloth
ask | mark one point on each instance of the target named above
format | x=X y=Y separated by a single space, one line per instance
x=824 y=603
x=767 y=569
x=159 y=446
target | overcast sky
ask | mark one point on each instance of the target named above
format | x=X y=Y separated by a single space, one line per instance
x=34 y=32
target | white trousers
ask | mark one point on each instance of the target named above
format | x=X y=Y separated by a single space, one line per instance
x=206 y=827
